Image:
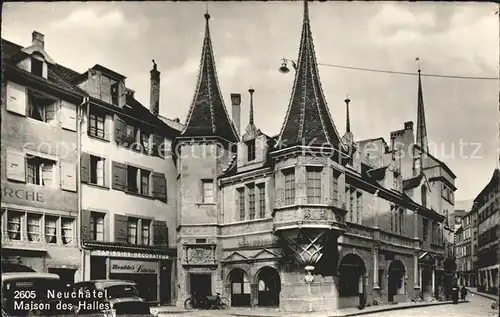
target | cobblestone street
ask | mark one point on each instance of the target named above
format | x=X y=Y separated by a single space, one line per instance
x=476 y=307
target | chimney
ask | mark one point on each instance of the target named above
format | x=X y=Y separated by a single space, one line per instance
x=236 y=110
x=37 y=39
x=154 y=97
x=409 y=125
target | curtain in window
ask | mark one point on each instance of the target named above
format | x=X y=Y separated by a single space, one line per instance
x=34 y=227
x=47 y=174
x=50 y=113
x=67 y=230
x=14 y=226
x=100 y=172
x=145 y=232
x=132 y=232
x=50 y=229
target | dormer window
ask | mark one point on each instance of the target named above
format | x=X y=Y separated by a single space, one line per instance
x=250 y=150
x=36 y=67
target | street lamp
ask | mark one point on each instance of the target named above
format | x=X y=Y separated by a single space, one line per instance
x=284 y=66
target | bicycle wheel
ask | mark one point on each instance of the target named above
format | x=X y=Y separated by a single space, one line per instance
x=224 y=303
x=189 y=303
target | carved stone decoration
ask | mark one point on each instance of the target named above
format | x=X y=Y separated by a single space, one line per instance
x=315 y=214
x=307 y=245
x=200 y=256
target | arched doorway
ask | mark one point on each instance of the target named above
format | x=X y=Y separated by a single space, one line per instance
x=240 y=288
x=269 y=287
x=352 y=278
x=396 y=280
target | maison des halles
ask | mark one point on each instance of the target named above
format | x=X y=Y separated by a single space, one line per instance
x=265 y=221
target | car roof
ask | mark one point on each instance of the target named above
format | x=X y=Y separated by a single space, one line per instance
x=106 y=283
x=12 y=276
x=9 y=267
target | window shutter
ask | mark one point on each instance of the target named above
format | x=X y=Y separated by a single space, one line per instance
x=68 y=176
x=85 y=167
x=119 y=176
x=16 y=166
x=160 y=231
x=121 y=222
x=119 y=130
x=16 y=98
x=68 y=116
x=85 y=225
x=159 y=186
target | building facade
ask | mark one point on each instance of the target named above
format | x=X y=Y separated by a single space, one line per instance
x=487 y=205
x=128 y=191
x=39 y=161
x=306 y=220
x=464 y=251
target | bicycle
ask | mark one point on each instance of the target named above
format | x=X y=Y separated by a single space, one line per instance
x=207 y=302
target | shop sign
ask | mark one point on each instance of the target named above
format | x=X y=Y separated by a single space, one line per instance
x=133 y=267
x=122 y=254
x=22 y=194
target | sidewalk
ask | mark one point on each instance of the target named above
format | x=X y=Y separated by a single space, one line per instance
x=262 y=312
x=473 y=290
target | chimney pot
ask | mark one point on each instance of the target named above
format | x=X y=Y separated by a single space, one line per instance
x=37 y=39
x=409 y=125
x=154 y=96
x=236 y=110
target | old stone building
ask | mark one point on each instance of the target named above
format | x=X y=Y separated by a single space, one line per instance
x=128 y=191
x=38 y=160
x=487 y=206
x=464 y=251
x=306 y=220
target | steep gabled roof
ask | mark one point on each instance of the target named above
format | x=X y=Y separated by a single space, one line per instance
x=308 y=120
x=207 y=115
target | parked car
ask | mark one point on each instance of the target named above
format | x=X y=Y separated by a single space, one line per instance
x=121 y=298
x=25 y=294
x=9 y=267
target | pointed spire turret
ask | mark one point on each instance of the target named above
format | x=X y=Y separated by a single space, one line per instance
x=251 y=132
x=207 y=115
x=308 y=120
x=348 y=138
x=421 y=127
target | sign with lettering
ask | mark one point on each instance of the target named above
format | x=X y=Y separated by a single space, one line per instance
x=122 y=254
x=22 y=194
x=133 y=267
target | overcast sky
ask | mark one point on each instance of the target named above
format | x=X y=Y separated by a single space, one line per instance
x=250 y=38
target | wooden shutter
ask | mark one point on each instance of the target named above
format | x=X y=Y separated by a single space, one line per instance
x=16 y=166
x=85 y=167
x=16 y=98
x=68 y=116
x=85 y=225
x=120 y=128
x=159 y=186
x=119 y=171
x=68 y=176
x=160 y=232
x=121 y=233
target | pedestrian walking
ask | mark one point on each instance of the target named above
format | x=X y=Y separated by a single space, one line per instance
x=454 y=294
x=463 y=293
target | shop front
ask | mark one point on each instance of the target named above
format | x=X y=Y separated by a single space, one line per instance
x=39 y=229
x=153 y=273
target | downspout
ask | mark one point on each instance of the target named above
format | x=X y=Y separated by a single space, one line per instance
x=80 y=115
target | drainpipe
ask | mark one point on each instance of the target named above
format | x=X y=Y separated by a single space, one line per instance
x=80 y=115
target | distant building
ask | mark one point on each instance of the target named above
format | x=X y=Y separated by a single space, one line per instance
x=487 y=204
x=464 y=251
